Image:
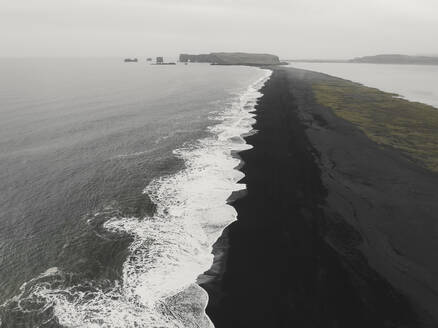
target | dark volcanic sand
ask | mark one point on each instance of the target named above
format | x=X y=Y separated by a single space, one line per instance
x=327 y=234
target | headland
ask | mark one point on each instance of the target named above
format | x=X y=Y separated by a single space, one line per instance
x=232 y=58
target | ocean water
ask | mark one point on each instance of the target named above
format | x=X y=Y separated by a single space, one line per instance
x=114 y=179
x=412 y=82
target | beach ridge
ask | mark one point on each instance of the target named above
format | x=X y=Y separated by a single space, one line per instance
x=303 y=250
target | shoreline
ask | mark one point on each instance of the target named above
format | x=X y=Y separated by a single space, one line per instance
x=301 y=252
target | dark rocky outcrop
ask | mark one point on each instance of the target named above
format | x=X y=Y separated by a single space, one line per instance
x=232 y=58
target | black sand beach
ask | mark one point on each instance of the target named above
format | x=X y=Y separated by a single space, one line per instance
x=334 y=230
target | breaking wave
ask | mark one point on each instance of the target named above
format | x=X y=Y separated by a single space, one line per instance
x=169 y=250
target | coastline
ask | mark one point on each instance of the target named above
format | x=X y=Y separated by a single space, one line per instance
x=158 y=254
x=303 y=250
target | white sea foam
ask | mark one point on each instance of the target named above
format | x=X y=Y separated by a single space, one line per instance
x=172 y=248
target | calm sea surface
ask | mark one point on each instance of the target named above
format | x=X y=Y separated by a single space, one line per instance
x=413 y=82
x=113 y=182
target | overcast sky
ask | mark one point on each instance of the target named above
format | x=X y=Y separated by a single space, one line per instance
x=289 y=28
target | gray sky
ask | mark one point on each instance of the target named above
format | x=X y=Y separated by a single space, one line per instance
x=289 y=28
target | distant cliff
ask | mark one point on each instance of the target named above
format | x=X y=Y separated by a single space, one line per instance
x=232 y=58
x=397 y=59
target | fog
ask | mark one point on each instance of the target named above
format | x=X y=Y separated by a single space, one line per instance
x=288 y=28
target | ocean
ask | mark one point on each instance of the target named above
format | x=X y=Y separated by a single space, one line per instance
x=114 y=180
x=412 y=82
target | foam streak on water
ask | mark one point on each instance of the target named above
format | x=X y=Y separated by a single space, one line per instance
x=169 y=250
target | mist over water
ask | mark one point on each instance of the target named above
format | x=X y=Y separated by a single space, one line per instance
x=412 y=82
x=115 y=180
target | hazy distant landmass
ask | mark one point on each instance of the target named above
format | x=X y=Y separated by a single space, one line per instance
x=231 y=58
x=320 y=60
x=380 y=59
x=397 y=59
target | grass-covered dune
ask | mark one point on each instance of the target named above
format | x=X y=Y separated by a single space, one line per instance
x=410 y=127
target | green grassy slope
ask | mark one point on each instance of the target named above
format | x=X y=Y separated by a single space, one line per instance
x=410 y=127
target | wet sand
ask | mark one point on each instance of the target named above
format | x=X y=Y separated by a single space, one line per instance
x=333 y=231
